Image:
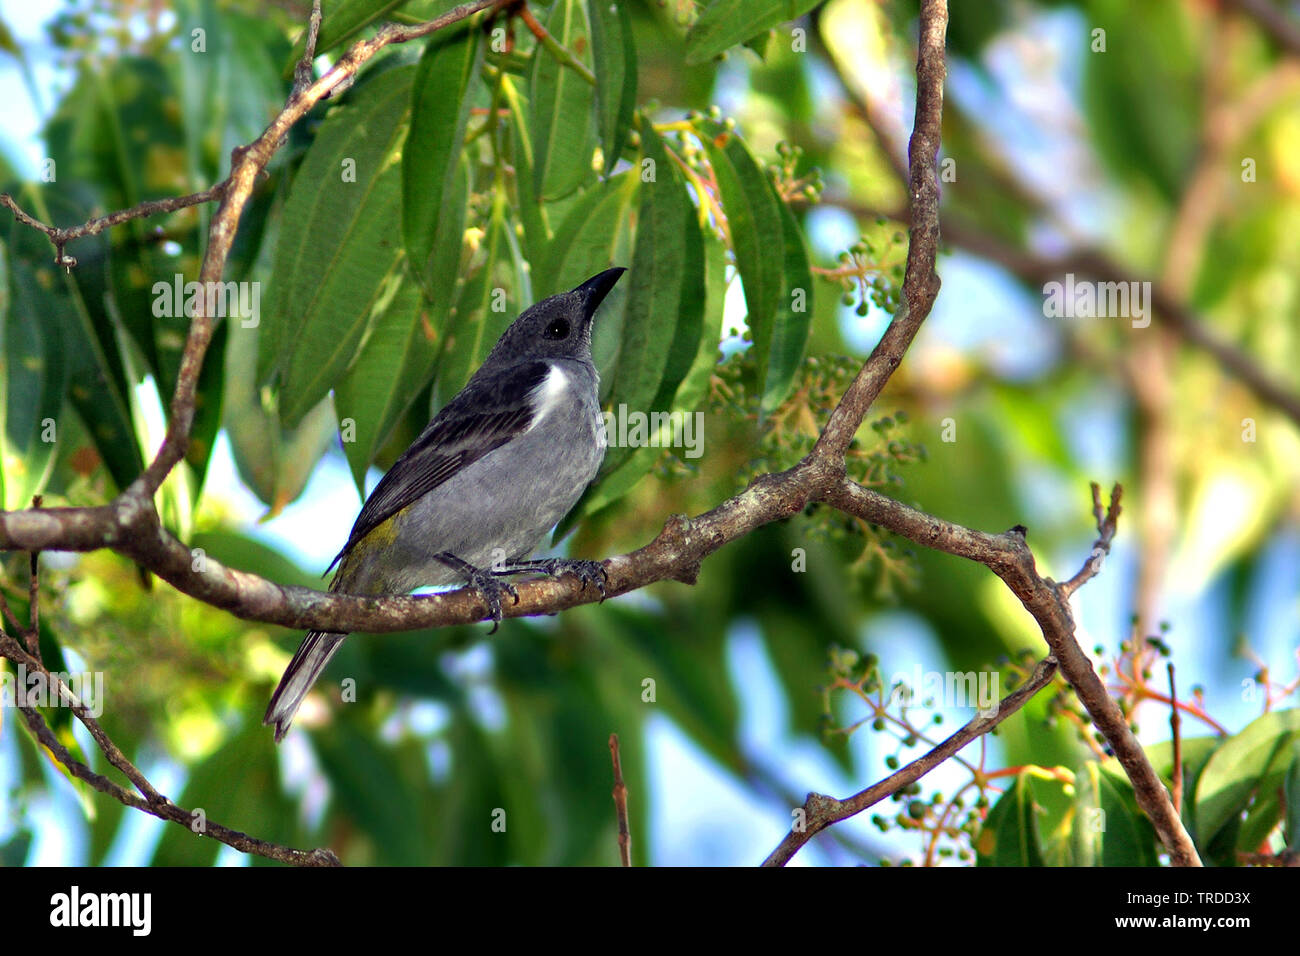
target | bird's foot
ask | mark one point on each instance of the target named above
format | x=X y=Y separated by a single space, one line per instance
x=487 y=583
x=588 y=572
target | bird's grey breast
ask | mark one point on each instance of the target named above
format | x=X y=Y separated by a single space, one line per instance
x=501 y=506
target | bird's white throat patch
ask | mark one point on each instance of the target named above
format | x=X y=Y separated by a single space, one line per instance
x=550 y=394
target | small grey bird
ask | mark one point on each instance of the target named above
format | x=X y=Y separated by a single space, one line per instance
x=489 y=476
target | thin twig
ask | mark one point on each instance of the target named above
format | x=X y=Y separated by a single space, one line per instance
x=63 y=693
x=620 y=805
x=563 y=55
x=1107 y=522
x=1175 y=726
x=60 y=237
x=1009 y=557
x=302 y=73
x=920 y=280
x=164 y=809
x=33 y=635
x=820 y=811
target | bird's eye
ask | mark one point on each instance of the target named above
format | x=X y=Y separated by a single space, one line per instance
x=557 y=329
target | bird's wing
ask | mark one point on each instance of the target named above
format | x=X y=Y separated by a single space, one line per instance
x=484 y=415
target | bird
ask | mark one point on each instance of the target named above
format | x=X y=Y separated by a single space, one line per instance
x=494 y=470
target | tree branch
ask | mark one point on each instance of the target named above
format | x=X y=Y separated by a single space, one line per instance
x=303 y=71
x=920 y=280
x=151 y=802
x=821 y=811
x=247 y=164
x=620 y=805
x=60 y=237
x=1009 y=557
x=1036 y=270
x=1272 y=20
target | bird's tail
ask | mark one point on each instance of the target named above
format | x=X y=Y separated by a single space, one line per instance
x=313 y=654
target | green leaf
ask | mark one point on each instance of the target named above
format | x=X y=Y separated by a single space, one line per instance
x=1053 y=818
x=71 y=309
x=1109 y=829
x=336 y=255
x=562 y=101
x=753 y=220
x=1249 y=767
x=1009 y=836
x=32 y=380
x=1141 y=97
x=229 y=89
x=479 y=785
x=691 y=682
x=694 y=388
x=1291 y=792
x=258 y=805
x=208 y=396
x=594 y=235
x=1196 y=752
x=559 y=752
x=139 y=103
x=275 y=462
x=727 y=23
x=431 y=156
x=614 y=50
x=239 y=551
x=339 y=23
x=793 y=318
x=663 y=317
x=488 y=303
x=377 y=790
x=342 y=21
x=535 y=216
x=398 y=357
x=391 y=369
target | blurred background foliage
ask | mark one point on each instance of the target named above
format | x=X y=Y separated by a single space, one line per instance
x=488 y=174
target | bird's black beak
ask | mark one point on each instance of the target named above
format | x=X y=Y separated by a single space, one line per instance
x=594 y=290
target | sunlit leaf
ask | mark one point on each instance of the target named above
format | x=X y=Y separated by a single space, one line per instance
x=1009 y=836
x=754 y=222
x=337 y=255
x=614 y=51
x=1249 y=768
x=562 y=107
x=431 y=155
x=726 y=23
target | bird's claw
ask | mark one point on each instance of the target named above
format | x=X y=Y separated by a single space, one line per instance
x=588 y=572
x=485 y=580
x=492 y=587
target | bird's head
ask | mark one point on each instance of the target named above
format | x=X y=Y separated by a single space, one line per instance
x=556 y=327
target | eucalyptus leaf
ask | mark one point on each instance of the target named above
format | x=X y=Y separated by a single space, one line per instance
x=562 y=104
x=336 y=254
